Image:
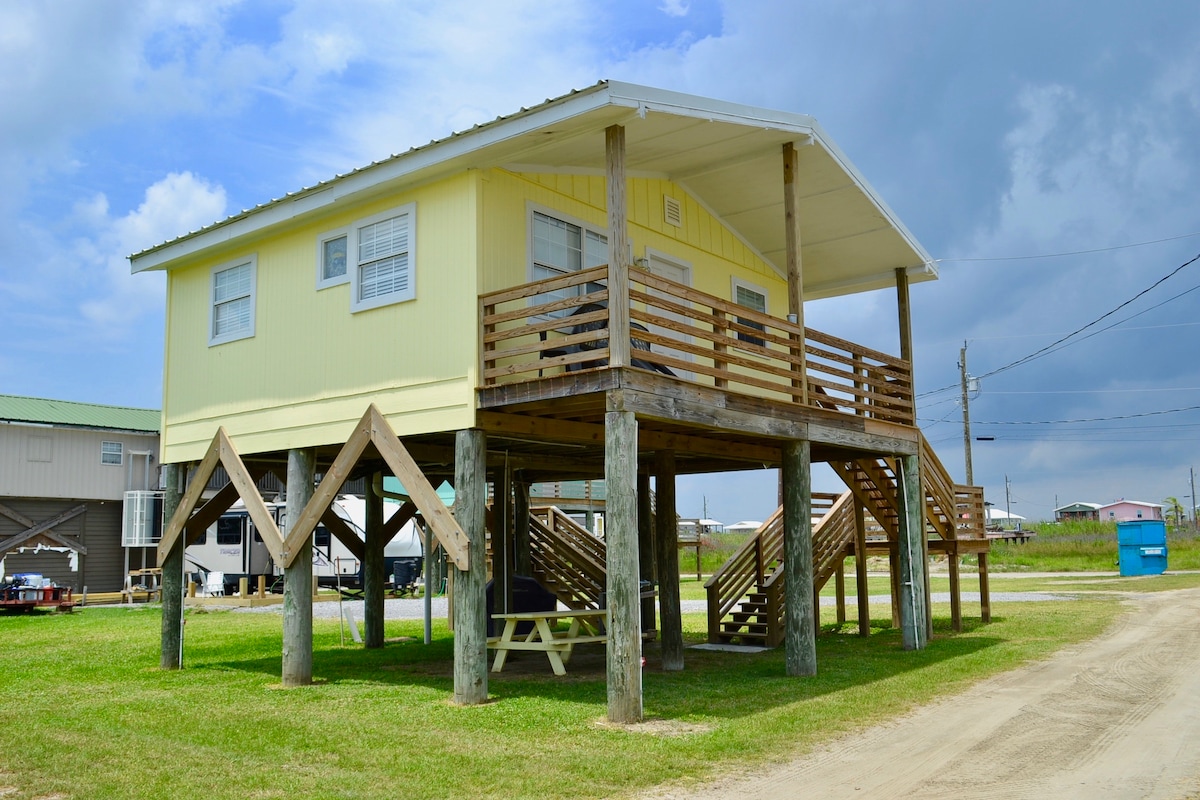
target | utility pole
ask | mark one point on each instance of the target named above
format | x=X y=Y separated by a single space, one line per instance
x=1192 y=470
x=1007 y=498
x=962 y=364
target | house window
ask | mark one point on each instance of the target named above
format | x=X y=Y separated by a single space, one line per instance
x=384 y=254
x=752 y=297
x=112 y=453
x=560 y=246
x=332 y=252
x=233 y=302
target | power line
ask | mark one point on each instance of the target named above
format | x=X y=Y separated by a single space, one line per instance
x=1045 y=350
x=1069 y=253
x=1093 y=419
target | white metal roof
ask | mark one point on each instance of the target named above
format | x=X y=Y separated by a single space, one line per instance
x=726 y=155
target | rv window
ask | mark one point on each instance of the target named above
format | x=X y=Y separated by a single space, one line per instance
x=322 y=536
x=202 y=538
x=229 y=530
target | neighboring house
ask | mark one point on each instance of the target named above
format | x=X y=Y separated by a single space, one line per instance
x=1077 y=511
x=64 y=469
x=608 y=285
x=1126 y=510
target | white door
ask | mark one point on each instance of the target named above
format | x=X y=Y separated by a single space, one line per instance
x=671 y=268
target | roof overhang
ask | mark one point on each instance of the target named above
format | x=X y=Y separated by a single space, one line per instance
x=726 y=156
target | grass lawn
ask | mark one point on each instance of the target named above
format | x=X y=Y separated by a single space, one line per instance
x=90 y=715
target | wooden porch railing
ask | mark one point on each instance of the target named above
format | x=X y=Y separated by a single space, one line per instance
x=562 y=323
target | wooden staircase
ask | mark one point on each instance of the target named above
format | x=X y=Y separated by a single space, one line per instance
x=566 y=558
x=745 y=596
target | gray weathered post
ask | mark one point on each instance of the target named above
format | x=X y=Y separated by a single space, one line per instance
x=646 y=521
x=800 y=641
x=620 y=534
x=172 y=575
x=860 y=570
x=502 y=541
x=523 y=561
x=913 y=624
x=298 y=578
x=374 y=578
x=667 y=541
x=470 y=604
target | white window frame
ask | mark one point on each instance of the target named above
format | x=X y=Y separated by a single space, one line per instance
x=338 y=280
x=252 y=294
x=735 y=284
x=354 y=266
x=585 y=228
x=119 y=452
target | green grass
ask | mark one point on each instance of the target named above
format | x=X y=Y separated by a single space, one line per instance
x=90 y=715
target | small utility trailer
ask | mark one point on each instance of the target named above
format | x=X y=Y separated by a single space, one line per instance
x=25 y=592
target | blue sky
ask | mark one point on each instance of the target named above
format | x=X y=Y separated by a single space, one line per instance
x=995 y=131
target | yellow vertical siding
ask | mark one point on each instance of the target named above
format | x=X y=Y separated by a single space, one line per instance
x=713 y=250
x=312 y=367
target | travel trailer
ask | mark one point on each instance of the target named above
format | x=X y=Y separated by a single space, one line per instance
x=232 y=549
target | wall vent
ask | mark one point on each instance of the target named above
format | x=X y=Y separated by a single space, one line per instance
x=672 y=211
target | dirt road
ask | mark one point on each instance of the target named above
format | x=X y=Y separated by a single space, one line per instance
x=1117 y=717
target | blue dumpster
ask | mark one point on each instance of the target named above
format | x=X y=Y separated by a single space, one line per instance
x=1142 y=547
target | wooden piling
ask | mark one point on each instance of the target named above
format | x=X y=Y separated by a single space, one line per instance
x=373 y=568
x=800 y=641
x=624 y=661
x=298 y=580
x=667 y=542
x=172 y=576
x=470 y=603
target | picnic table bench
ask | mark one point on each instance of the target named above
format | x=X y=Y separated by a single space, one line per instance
x=586 y=625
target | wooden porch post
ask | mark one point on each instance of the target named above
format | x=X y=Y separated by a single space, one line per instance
x=913 y=610
x=905 y=314
x=800 y=640
x=298 y=578
x=985 y=597
x=523 y=561
x=624 y=657
x=618 y=248
x=470 y=604
x=373 y=565
x=172 y=575
x=795 y=269
x=955 y=588
x=666 y=538
x=646 y=521
x=860 y=570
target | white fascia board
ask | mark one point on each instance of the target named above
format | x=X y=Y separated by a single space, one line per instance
x=646 y=98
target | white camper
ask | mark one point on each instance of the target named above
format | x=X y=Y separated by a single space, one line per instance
x=232 y=548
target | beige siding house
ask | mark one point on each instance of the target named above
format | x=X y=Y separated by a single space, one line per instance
x=70 y=464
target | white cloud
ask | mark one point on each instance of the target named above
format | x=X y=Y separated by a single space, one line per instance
x=118 y=300
x=674 y=8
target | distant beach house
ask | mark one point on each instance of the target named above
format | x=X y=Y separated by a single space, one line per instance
x=1077 y=511
x=1126 y=510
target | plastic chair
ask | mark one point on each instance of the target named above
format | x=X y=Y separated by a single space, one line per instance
x=214 y=585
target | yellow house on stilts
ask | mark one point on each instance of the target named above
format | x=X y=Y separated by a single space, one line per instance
x=608 y=285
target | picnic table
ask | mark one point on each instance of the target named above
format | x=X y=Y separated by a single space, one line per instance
x=586 y=625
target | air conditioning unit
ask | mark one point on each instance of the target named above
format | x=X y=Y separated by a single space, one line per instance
x=142 y=522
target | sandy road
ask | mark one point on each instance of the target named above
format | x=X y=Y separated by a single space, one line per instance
x=1116 y=717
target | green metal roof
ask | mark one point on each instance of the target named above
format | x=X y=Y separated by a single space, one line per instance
x=77 y=415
